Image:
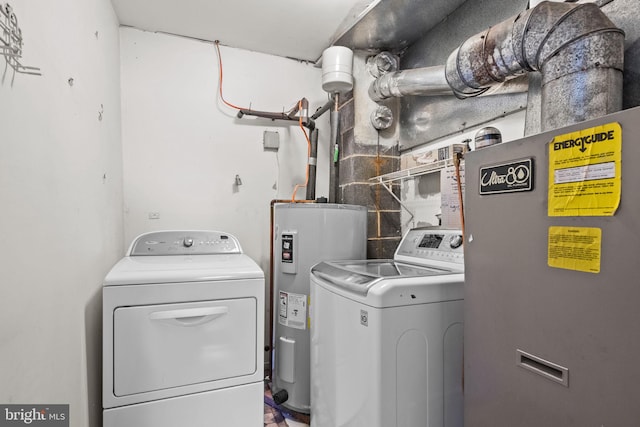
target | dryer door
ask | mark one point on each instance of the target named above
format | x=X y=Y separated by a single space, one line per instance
x=163 y=346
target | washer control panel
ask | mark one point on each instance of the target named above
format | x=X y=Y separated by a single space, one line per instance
x=433 y=244
x=184 y=242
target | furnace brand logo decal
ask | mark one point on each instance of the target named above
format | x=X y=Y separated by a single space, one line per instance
x=507 y=177
x=34 y=415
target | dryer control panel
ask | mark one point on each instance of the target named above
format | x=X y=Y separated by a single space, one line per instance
x=432 y=244
x=184 y=242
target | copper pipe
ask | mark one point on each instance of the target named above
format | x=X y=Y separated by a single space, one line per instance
x=302 y=107
x=320 y=111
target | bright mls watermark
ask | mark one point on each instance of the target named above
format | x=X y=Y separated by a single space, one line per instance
x=34 y=415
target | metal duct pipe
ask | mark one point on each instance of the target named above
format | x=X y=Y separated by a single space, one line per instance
x=576 y=48
x=417 y=81
x=431 y=81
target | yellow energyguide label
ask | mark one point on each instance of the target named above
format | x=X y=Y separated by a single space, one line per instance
x=575 y=248
x=585 y=172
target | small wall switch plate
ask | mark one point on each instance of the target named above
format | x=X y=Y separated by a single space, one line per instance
x=271 y=140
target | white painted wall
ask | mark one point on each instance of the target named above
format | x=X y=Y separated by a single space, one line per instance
x=183 y=147
x=422 y=195
x=61 y=204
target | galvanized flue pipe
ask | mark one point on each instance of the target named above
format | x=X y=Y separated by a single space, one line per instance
x=418 y=81
x=576 y=48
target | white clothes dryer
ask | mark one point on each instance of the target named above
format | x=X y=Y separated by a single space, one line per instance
x=183 y=333
x=387 y=336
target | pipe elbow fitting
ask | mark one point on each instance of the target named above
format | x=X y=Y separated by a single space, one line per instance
x=384 y=87
x=462 y=86
x=527 y=42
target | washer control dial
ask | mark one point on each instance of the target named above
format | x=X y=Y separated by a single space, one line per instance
x=184 y=242
x=455 y=241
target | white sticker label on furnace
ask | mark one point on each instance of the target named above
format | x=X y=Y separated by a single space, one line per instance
x=585 y=173
x=293 y=310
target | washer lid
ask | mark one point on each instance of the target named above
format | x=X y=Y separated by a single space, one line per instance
x=385 y=283
x=136 y=270
x=360 y=276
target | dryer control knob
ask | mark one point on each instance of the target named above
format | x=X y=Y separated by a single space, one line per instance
x=187 y=242
x=455 y=241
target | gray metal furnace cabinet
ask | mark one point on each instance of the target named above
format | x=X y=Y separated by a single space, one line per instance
x=548 y=346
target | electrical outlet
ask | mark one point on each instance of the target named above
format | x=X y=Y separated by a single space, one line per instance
x=154 y=215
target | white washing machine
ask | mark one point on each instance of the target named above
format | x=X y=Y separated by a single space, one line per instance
x=387 y=336
x=183 y=333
